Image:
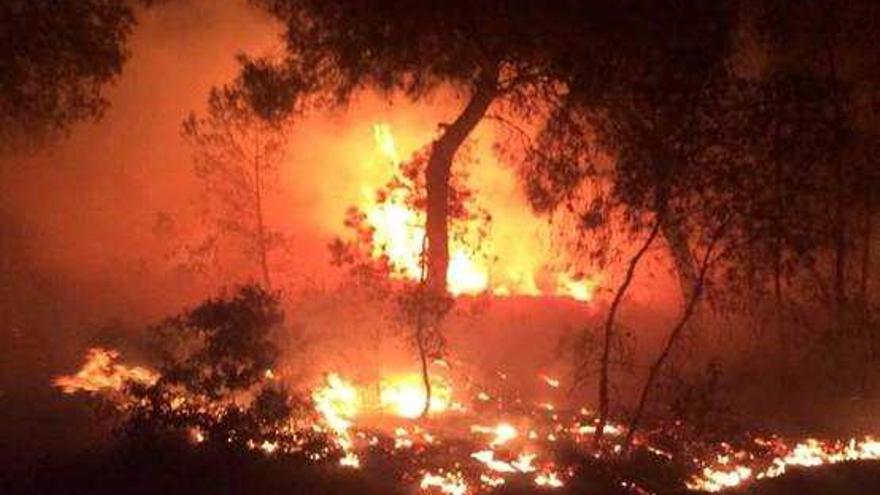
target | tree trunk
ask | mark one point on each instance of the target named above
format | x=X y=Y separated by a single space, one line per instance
x=421 y=308
x=261 y=227
x=437 y=177
x=689 y=308
x=839 y=215
x=423 y=357
x=681 y=254
x=608 y=334
x=866 y=246
x=654 y=370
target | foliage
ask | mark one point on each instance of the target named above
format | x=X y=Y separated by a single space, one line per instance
x=55 y=59
x=214 y=364
x=237 y=149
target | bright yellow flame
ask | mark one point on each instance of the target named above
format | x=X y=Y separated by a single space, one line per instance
x=404 y=395
x=550 y=381
x=338 y=402
x=487 y=457
x=399 y=234
x=582 y=289
x=548 y=479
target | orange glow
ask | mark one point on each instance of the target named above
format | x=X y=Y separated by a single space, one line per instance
x=729 y=471
x=502 y=450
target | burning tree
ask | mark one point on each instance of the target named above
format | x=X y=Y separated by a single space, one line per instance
x=215 y=382
x=379 y=266
x=492 y=53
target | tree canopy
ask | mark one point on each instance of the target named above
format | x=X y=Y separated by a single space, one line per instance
x=55 y=59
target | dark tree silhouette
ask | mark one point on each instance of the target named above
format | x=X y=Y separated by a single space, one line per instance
x=492 y=52
x=693 y=141
x=237 y=151
x=214 y=369
x=55 y=58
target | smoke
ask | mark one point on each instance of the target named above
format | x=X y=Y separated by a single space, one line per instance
x=89 y=224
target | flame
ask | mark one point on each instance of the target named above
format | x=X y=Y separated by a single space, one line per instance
x=550 y=381
x=725 y=473
x=100 y=373
x=338 y=402
x=503 y=451
x=582 y=289
x=404 y=395
x=487 y=457
x=502 y=433
x=398 y=232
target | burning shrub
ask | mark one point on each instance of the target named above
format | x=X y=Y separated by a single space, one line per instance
x=215 y=381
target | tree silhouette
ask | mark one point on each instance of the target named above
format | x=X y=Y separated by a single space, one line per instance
x=237 y=153
x=216 y=364
x=491 y=52
x=55 y=58
x=695 y=145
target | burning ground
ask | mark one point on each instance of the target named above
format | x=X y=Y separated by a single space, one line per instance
x=477 y=437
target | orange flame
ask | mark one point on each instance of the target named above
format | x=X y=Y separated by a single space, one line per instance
x=101 y=373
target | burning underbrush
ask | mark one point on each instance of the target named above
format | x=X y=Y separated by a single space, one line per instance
x=221 y=389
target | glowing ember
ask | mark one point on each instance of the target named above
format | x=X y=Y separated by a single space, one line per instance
x=450 y=483
x=553 y=382
x=487 y=457
x=269 y=447
x=549 y=480
x=524 y=462
x=491 y=481
x=100 y=372
x=495 y=459
x=503 y=433
x=724 y=473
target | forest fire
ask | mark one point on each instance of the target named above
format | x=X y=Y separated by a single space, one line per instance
x=568 y=247
x=516 y=445
x=398 y=233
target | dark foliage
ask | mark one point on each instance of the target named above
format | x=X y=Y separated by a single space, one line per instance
x=215 y=359
x=55 y=58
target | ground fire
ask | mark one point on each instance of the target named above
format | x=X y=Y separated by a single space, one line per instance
x=506 y=441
